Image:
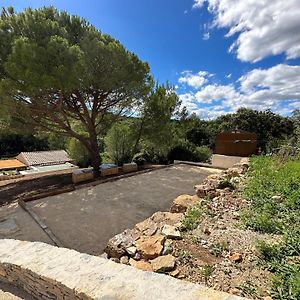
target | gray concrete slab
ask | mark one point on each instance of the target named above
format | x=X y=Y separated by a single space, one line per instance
x=85 y=219
x=224 y=161
x=15 y=223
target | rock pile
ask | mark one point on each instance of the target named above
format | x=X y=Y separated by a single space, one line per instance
x=148 y=246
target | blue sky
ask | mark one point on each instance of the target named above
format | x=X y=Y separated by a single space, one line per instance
x=186 y=42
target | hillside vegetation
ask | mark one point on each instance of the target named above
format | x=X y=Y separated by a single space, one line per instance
x=274 y=192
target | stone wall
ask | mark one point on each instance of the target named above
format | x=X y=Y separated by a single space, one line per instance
x=49 y=272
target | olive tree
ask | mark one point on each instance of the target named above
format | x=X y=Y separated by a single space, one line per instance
x=64 y=71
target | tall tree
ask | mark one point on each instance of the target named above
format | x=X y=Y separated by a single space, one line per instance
x=155 y=122
x=63 y=70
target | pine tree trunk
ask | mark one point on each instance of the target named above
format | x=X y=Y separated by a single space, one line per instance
x=95 y=155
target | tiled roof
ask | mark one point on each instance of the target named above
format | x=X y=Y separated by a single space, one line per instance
x=10 y=164
x=44 y=157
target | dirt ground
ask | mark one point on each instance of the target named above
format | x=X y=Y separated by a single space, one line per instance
x=11 y=190
x=206 y=254
x=85 y=219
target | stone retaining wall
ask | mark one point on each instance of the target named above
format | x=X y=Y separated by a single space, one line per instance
x=49 y=272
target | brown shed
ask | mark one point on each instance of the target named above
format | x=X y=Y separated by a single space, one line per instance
x=237 y=143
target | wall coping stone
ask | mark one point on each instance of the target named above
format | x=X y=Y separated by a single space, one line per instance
x=60 y=273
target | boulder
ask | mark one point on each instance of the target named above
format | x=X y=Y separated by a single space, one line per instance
x=150 y=247
x=233 y=172
x=141 y=264
x=183 y=202
x=116 y=246
x=147 y=227
x=171 y=232
x=162 y=218
x=163 y=264
x=203 y=191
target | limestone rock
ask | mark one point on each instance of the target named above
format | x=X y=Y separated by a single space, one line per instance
x=162 y=218
x=171 y=232
x=183 y=202
x=137 y=256
x=168 y=248
x=236 y=257
x=203 y=191
x=163 y=264
x=212 y=177
x=174 y=273
x=148 y=227
x=236 y=215
x=124 y=260
x=150 y=247
x=233 y=172
x=141 y=264
x=277 y=198
x=116 y=246
x=131 y=250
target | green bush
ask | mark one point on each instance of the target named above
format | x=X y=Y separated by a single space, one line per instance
x=119 y=143
x=187 y=151
x=78 y=153
x=202 y=154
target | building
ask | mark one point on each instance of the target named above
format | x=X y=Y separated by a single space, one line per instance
x=44 y=158
x=236 y=143
x=45 y=161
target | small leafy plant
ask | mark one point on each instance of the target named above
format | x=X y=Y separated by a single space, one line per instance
x=218 y=248
x=206 y=272
x=192 y=218
x=184 y=256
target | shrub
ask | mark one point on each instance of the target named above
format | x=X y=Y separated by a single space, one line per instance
x=150 y=156
x=226 y=183
x=202 y=154
x=119 y=143
x=187 y=151
x=78 y=153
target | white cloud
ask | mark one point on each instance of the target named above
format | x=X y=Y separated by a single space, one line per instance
x=215 y=92
x=276 y=88
x=206 y=36
x=263 y=28
x=198 y=3
x=193 y=80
